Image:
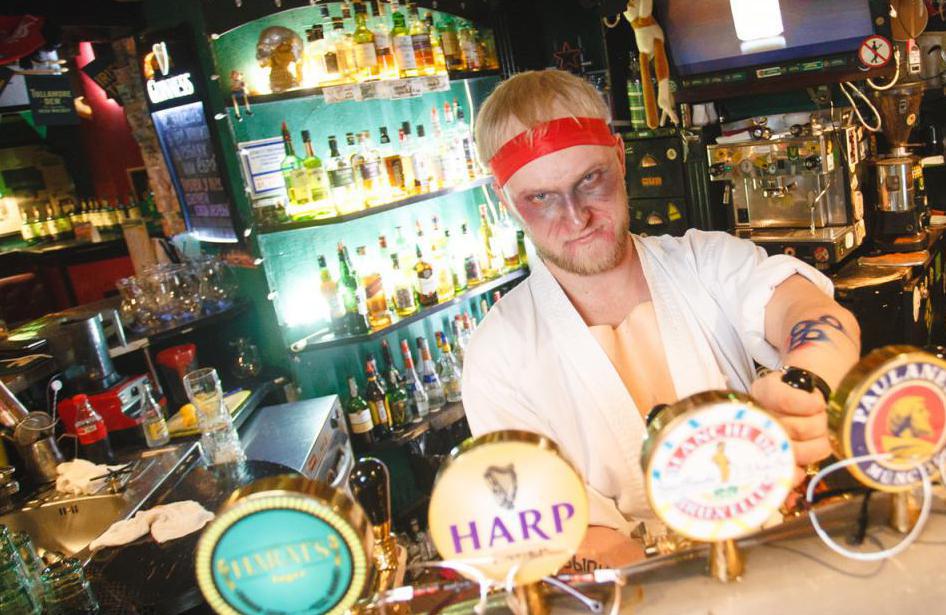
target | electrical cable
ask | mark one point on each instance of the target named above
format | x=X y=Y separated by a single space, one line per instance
x=886 y=553
x=844 y=90
x=896 y=77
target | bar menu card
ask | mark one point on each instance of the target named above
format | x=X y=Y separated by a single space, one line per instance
x=186 y=141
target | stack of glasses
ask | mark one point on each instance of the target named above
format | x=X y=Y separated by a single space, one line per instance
x=169 y=295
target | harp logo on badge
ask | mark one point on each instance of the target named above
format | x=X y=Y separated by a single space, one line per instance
x=901 y=411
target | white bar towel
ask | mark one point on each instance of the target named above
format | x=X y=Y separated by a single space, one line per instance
x=166 y=522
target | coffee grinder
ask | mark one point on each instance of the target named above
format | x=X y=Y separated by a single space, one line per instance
x=898 y=222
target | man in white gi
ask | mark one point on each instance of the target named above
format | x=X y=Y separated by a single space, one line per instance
x=608 y=324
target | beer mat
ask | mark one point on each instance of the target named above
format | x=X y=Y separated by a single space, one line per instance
x=234 y=402
x=905 y=259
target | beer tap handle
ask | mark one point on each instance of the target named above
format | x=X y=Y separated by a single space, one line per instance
x=371 y=485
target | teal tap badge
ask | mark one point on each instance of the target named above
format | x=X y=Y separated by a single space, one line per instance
x=281 y=551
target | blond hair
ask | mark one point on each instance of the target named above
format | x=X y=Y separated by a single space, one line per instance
x=532 y=98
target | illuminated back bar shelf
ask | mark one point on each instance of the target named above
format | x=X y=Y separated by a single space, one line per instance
x=324 y=339
x=372 y=211
x=286 y=284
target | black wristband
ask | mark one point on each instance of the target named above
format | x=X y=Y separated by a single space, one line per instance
x=805 y=380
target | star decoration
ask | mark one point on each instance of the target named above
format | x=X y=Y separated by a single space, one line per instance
x=568 y=58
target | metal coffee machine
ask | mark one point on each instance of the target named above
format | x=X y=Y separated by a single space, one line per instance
x=793 y=193
x=898 y=225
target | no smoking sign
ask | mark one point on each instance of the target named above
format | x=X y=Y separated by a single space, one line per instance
x=875 y=52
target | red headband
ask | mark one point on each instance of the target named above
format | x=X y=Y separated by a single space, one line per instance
x=546 y=138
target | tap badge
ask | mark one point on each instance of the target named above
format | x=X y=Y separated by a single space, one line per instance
x=893 y=403
x=284 y=545
x=508 y=503
x=717 y=466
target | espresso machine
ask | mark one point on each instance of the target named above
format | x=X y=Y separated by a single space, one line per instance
x=795 y=192
x=899 y=222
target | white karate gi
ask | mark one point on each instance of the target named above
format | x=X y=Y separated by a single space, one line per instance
x=533 y=364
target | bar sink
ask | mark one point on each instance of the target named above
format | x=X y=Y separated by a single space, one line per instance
x=68 y=523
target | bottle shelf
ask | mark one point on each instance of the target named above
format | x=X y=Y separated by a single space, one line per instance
x=451 y=413
x=279 y=227
x=256 y=99
x=320 y=341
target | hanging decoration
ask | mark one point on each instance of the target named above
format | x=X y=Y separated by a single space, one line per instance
x=650 y=45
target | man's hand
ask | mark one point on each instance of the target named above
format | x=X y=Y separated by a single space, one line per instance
x=802 y=414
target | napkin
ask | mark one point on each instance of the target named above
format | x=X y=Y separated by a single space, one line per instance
x=75 y=477
x=165 y=522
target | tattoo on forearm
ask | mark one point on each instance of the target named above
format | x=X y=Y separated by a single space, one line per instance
x=808 y=332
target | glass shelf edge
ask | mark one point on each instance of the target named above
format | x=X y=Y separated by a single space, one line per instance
x=371 y=211
x=303 y=345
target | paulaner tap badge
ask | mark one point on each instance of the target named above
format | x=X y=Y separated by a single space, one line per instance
x=506 y=504
x=717 y=466
x=892 y=402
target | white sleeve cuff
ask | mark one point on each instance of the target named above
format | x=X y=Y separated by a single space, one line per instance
x=765 y=279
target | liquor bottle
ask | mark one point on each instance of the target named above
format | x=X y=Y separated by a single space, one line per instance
x=451 y=151
x=416 y=393
x=392 y=163
x=493 y=263
x=420 y=162
x=436 y=398
x=441 y=262
x=320 y=199
x=366 y=54
x=378 y=314
x=450 y=43
x=449 y=370
x=377 y=403
x=50 y=223
x=61 y=220
x=39 y=227
x=396 y=392
x=26 y=230
x=457 y=266
x=420 y=39
x=329 y=289
x=321 y=61
x=387 y=67
x=373 y=187
x=436 y=48
x=521 y=246
x=464 y=136
x=293 y=175
x=507 y=240
x=434 y=146
x=472 y=58
x=403 y=45
x=406 y=255
x=353 y=295
x=152 y=420
x=382 y=263
x=361 y=425
x=635 y=95
x=341 y=181
x=91 y=432
x=344 y=51
x=403 y=296
x=407 y=163
x=426 y=281
x=459 y=349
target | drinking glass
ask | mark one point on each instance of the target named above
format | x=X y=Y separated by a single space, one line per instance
x=66 y=589
x=134 y=311
x=219 y=439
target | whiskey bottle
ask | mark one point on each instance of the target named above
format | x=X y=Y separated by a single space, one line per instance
x=353 y=295
x=428 y=374
x=377 y=403
x=420 y=40
x=293 y=174
x=366 y=54
x=320 y=200
x=360 y=423
x=403 y=44
x=341 y=179
x=329 y=289
x=426 y=281
x=416 y=393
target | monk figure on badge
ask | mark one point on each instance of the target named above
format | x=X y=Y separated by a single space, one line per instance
x=722 y=462
x=908 y=424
